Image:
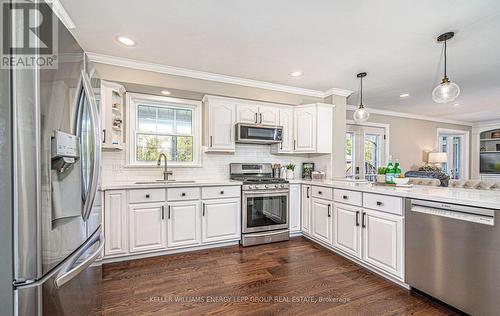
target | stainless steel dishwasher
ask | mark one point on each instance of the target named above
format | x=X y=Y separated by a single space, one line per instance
x=452 y=253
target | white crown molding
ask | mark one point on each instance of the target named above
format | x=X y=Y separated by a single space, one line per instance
x=183 y=72
x=61 y=13
x=337 y=91
x=487 y=123
x=411 y=116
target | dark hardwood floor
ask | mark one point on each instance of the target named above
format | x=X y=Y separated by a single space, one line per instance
x=282 y=278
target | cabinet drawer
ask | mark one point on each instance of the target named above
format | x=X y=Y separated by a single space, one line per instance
x=384 y=203
x=220 y=192
x=322 y=193
x=183 y=194
x=146 y=195
x=348 y=197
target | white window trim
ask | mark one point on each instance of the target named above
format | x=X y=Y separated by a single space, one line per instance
x=133 y=99
x=466 y=146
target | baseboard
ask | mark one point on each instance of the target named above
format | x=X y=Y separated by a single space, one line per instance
x=128 y=257
x=359 y=262
x=296 y=233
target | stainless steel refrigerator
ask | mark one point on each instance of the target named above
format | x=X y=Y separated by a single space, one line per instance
x=50 y=166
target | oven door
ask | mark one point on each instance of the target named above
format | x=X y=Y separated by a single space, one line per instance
x=265 y=210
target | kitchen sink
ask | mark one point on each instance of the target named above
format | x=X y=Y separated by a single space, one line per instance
x=166 y=182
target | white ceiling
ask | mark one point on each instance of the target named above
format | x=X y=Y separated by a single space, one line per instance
x=328 y=40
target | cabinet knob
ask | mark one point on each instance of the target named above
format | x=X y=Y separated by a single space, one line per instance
x=319 y=192
x=379 y=203
x=183 y=194
x=147 y=196
x=221 y=192
x=345 y=197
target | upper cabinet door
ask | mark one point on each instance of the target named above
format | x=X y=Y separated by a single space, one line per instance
x=305 y=129
x=269 y=115
x=247 y=113
x=222 y=117
x=286 y=120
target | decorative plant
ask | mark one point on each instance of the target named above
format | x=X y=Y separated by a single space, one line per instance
x=290 y=166
x=381 y=170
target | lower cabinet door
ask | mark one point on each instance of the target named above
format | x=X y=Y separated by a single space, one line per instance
x=115 y=222
x=294 y=207
x=321 y=211
x=383 y=241
x=183 y=223
x=305 y=217
x=347 y=229
x=147 y=227
x=221 y=220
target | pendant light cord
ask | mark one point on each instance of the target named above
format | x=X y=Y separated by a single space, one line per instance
x=445 y=59
x=361 y=92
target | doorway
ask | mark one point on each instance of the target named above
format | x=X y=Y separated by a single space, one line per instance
x=366 y=150
x=456 y=144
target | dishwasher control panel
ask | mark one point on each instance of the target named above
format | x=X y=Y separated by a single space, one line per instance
x=474 y=218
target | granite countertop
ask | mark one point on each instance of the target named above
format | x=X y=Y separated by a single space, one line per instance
x=177 y=184
x=470 y=197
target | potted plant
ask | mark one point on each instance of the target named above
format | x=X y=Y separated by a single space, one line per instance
x=381 y=174
x=290 y=171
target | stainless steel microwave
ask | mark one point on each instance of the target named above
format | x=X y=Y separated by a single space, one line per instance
x=258 y=134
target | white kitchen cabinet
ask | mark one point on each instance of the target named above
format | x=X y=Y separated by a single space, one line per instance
x=147 y=227
x=286 y=121
x=220 y=118
x=111 y=100
x=183 y=223
x=294 y=207
x=312 y=128
x=321 y=220
x=269 y=115
x=347 y=229
x=252 y=113
x=383 y=241
x=306 y=209
x=247 y=113
x=221 y=220
x=304 y=129
x=115 y=222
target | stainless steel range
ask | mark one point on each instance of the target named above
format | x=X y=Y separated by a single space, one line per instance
x=265 y=199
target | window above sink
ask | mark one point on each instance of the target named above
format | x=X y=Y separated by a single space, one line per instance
x=166 y=125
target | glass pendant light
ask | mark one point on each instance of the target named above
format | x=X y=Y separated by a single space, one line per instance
x=361 y=114
x=446 y=91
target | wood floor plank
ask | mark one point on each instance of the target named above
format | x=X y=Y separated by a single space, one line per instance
x=275 y=279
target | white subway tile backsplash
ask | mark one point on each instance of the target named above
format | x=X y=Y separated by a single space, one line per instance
x=214 y=165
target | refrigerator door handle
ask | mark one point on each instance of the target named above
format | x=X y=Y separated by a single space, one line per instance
x=69 y=271
x=96 y=131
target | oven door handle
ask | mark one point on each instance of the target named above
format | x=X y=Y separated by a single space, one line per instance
x=266 y=192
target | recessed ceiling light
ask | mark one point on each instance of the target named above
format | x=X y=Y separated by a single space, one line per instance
x=165 y=92
x=296 y=74
x=456 y=104
x=404 y=95
x=125 y=40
